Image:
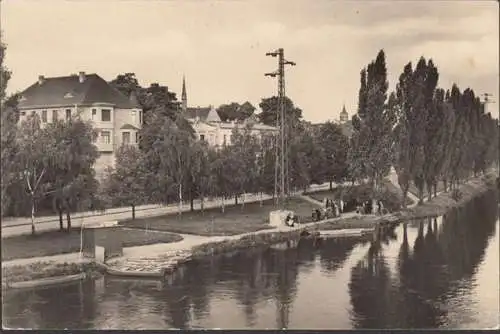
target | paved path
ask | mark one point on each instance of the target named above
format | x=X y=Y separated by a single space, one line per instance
x=18 y=226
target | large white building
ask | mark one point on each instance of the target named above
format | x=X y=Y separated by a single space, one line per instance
x=116 y=117
x=208 y=125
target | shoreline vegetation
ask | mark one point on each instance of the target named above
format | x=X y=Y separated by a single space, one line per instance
x=439 y=205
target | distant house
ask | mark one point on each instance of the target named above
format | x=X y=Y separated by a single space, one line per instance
x=116 y=117
x=209 y=127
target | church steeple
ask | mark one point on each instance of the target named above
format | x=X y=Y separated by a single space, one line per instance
x=344 y=116
x=184 y=94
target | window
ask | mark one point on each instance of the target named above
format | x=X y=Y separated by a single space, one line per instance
x=54 y=115
x=137 y=137
x=202 y=137
x=225 y=138
x=94 y=114
x=44 y=116
x=106 y=137
x=23 y=113
x=126 y=138
x=140 y=117
x=106 y=115
x=68 y=114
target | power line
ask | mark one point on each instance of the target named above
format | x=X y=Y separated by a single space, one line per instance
x=281 y=178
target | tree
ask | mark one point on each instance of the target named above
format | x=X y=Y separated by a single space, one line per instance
x=332 y=154
x=34 y=158
x=270 y=109
x=433 y=143
x=243 y=152
x=72 y=175
x=125 y=184
x=8 y=135
x=235 y=111
x=127 y=84
x=171 y=154
x=373 y=123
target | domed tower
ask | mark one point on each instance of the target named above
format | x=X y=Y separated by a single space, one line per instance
x=344 y=116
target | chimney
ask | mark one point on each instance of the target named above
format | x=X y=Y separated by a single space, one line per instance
x=81 y=77
x=41 y=79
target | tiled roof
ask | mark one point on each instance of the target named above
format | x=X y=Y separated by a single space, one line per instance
x=65 y=91
x=200 y=112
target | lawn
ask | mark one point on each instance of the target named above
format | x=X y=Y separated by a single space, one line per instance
x=236 y=219
x=56 y=242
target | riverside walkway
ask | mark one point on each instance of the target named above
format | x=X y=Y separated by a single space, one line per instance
x=17 y=226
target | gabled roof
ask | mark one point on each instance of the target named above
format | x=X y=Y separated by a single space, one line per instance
x=129 y=127
x=206 y=114
x=65 y=91
x=200 y=112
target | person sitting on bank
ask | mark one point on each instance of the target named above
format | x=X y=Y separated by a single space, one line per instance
x=290 y=219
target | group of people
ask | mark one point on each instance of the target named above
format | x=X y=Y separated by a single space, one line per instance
x=375 y=207
x=330 y=209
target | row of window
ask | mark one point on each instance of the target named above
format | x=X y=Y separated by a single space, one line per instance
x=106 y=137
x=202 y=137
x=105 y=115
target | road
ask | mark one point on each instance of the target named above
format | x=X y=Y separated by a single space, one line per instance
x=18 y=226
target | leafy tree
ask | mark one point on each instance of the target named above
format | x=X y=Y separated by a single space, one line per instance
x=34 y=159
x=125 y=184
x=127 y=84
x=235 y=111
x=243 y=151
x=270 y=108
x=373 y=124
x=171 y=154
x=8 y=135
x=332 y=156
x=72 y=175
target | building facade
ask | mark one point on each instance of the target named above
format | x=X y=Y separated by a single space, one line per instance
x=116 y=117
x=209 y=127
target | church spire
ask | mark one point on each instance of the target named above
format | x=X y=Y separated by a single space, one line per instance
x=184 y=94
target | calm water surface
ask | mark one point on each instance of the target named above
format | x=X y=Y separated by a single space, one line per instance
x=437 y=273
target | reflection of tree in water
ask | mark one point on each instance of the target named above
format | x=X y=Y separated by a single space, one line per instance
x=285 y=265
x=51 y=308
x=334 y=251
x=464 y=237
x=428 y=273
x=306 y=252
x=370 y=289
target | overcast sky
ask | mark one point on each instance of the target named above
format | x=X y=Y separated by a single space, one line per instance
x=220 y=45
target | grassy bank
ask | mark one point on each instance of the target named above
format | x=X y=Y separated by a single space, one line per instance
x=45 y=270
x=239 y=219
x=444 y=202
x=58 y=242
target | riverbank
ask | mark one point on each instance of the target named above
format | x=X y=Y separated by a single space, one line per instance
x=158 y=260
x=445 y=202
x=47 y=273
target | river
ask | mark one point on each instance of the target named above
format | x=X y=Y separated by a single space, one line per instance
x=433 y=273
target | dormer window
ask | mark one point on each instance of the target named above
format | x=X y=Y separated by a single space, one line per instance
x=22 y=98
x=68 y=95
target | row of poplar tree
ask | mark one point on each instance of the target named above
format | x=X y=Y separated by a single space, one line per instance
x=428 y=134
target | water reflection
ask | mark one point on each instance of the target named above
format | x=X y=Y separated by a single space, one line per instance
x=423 y=275
x=438 y=268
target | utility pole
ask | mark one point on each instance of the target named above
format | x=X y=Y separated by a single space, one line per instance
x=281 y=149
x=488 y=100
